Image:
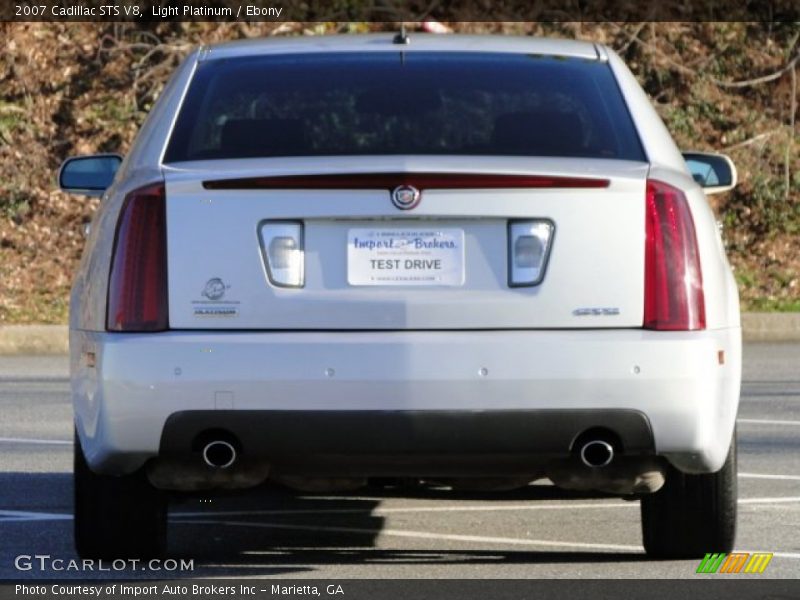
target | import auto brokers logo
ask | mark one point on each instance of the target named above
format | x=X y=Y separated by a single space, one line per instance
x=406 y=197
x=735 y=562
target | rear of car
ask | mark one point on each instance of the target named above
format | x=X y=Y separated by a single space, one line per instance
x=476 y=261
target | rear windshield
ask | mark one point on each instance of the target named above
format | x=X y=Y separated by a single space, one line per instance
x=387 y=103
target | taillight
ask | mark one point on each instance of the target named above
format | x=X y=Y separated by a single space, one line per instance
x=673 y=282
x=137 y=288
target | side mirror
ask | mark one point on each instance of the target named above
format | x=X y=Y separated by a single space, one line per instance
x=715 y=173
x=88 y=175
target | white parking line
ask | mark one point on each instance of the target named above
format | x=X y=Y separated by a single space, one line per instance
x=768 y=476
x=7 y=440
x=778 y=500
x=409 y=509
x=427 y=535
x=767 y=422
x=25 y=515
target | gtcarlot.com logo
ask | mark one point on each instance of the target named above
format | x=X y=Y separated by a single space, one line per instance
x=735 y=562
x=45 y=562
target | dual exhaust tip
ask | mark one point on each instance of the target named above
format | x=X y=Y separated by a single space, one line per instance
x=219 y=454
x=597 y=453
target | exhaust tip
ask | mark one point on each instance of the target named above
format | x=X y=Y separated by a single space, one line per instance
x=219 y=454
x=597 y=453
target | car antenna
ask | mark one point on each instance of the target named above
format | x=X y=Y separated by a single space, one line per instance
x=402 y=36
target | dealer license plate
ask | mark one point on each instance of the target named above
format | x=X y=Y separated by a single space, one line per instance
x=405 y=257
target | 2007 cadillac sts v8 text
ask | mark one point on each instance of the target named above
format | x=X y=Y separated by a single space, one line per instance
x=478 y=261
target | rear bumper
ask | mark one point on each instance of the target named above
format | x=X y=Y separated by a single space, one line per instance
x=505 y=395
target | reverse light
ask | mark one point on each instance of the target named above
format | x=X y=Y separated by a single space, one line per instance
x=282 y=245
x=137 y=288
x=673 y=298
x=528 y=250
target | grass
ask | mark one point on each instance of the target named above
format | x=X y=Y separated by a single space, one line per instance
x=772 y=305
x=39 y=309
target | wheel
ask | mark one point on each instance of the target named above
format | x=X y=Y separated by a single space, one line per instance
x=692 y=515
x=117 y=517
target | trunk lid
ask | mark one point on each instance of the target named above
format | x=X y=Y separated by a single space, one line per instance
x=218 y=277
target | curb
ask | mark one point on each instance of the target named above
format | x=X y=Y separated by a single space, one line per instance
x=771 y=327
x=34 y=339
x=54 y=339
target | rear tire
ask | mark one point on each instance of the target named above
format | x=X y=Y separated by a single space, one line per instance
x=692 y=515
x=117 y=517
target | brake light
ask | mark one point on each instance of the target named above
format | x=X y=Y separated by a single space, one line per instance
x=389 y=181
x=673 y=295
x=137 y=288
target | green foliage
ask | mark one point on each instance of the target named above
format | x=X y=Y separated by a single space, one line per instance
x=12 y=119
x=773 y=305
x=763 y=207
x=14 y=204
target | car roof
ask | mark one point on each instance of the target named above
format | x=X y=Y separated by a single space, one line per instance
x=418 y=42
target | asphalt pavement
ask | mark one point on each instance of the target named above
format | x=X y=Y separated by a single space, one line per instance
x=389 y=532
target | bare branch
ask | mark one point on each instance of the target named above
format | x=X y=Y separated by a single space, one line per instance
x=759 y=80
x=790 y=142
x=633 y=36
x=635 y=39
x=755 y=139
x=790 y=66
